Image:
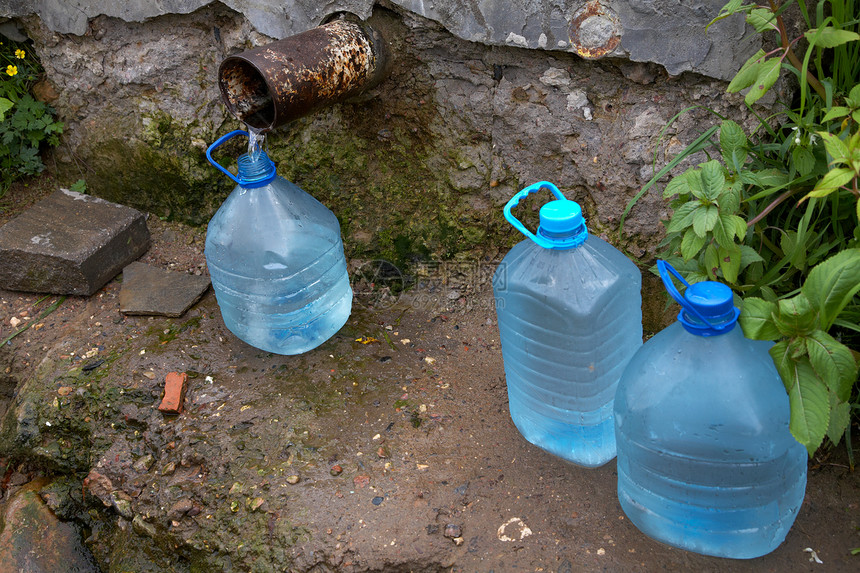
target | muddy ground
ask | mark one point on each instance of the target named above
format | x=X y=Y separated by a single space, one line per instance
x=389 y=448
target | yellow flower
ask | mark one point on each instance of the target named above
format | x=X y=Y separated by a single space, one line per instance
x=11 y=70
x=20 y=54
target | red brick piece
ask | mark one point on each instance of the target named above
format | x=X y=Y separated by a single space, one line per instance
x=174 y=393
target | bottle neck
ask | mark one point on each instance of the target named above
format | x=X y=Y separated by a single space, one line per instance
x=567 y=239
x=715 y=326
x=255 y=172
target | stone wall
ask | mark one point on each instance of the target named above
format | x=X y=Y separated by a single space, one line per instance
x=480 y=102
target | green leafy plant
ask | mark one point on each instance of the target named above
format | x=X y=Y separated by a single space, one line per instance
x=774 y=213
x=79 y=186
x=818 y=371
x=25 y=123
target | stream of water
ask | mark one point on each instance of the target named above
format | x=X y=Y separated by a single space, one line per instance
x=256 y=141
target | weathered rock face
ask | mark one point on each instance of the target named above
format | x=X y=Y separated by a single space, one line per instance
x=450 y=135
x=667 y=32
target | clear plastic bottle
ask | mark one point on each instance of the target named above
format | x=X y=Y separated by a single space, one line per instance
x=570 y=317
x=276 y=259
x=706 y=461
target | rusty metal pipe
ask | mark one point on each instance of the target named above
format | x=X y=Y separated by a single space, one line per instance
x=285 y=80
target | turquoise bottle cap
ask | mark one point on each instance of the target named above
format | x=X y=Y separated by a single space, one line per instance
x=562 y=225
x=561 y=221
x=561 y=216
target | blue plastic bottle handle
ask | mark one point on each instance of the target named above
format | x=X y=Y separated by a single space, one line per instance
x=665 y=269
x=515 y=200
x=218 y=143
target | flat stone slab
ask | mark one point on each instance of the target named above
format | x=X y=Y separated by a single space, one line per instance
x=70 y=243
x=149 y=290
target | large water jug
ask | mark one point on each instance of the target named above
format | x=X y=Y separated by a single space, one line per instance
x=276 y=259
x=570 y=317
x=706 y=461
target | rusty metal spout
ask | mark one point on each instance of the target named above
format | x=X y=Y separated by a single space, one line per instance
x=285 y=80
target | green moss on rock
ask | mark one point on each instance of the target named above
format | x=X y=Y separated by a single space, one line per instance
x=390 y=204
x=163 y=170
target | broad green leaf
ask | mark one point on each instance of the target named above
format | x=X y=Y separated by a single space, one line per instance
x=768 y=73
x=835 y=112
x=730 y=199
x=756 y=319
x=834 y=179
x=712 y=262
x=748 y=177
x=749 y=256
x=679 y=185
x=804 y=160
x=682 y=217
x=771 y=178
x=832 y=284
x=781 y=355
x=733 y=142
x=840 y=417
x=810 y=405
x=748 y=73
x=797 y=347
x=5 y=105
x=691 y=244
x=740 y=226
x=761 y=19
x=833 y=363
x=704 y=219
x=830 y=37
x=835 y=147
x=858 y=210
x=695 y=181
x=730 y=262
x=795 y=316
x=713 y=180
x=697 y=277
x=725 y=231
x=793 y=248
x=854 y=96
x=731 y=7
x=768 y=294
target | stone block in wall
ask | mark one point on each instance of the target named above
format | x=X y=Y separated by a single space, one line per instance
x=70 y=243
x=666 y=32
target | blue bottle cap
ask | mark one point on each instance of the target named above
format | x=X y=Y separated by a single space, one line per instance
x=707 y=307
x=713 y=302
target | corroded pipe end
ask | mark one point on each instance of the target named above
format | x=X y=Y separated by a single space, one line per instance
x=595 y=30
x=285 y=80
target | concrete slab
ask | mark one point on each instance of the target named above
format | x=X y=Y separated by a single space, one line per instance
x=148 y=290
x=70 y=243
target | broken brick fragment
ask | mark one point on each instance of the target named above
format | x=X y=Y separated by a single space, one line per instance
x=175 y=385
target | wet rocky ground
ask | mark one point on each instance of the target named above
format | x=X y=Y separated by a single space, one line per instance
x=388 y=448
